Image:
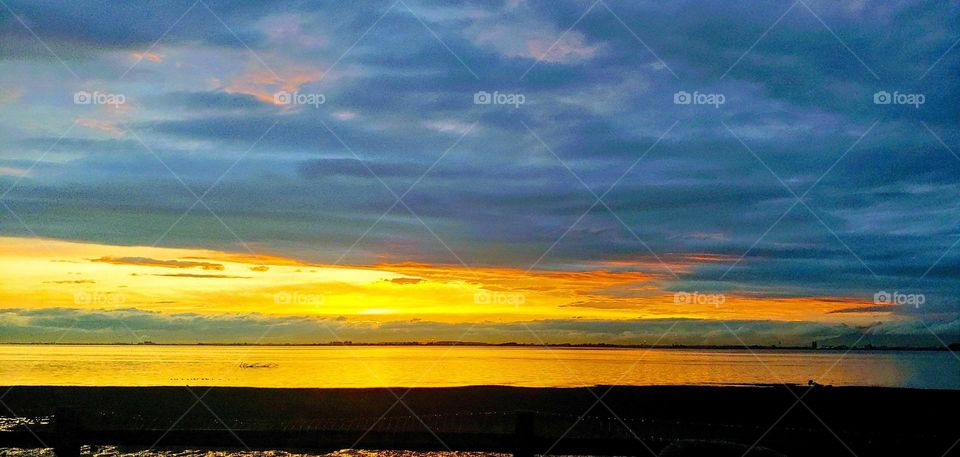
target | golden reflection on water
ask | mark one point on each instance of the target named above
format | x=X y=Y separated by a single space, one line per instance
x=399 y=366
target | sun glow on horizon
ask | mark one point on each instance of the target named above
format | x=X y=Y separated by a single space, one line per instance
x=52 y=273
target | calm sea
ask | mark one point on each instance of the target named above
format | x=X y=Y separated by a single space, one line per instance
x=461 y=366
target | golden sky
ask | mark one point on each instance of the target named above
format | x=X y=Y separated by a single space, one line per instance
x=46 y=273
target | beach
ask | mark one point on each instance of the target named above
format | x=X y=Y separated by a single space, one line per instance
x=410 y=401
x=827 y=421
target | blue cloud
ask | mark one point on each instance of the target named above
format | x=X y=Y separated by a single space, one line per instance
x=398 y=98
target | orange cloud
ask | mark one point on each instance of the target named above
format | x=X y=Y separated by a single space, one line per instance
x=405 y=281
x=103 y=126
x=263 y=83
x=151 y=56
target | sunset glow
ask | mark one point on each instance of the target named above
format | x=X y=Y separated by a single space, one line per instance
x=51 y=274
x=410 y=228
x=514 y=171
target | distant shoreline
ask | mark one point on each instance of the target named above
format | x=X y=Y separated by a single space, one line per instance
x=952 y=347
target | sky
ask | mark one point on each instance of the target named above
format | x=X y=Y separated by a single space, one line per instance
x=705 y=172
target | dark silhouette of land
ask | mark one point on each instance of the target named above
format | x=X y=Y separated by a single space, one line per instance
x=630 y=421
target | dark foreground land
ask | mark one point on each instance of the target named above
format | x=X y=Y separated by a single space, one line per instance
x=713 y=421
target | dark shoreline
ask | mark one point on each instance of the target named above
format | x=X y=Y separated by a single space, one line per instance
x=868 y=420
x=954 y=347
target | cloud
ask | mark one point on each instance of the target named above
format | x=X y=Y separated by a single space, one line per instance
x=263 y=83
x=192 y=275
x=291 y=30
x=146 y=261
x=211 y=101
x=151 y=56
x=101 y=125
x=68 y=26
x=405 y=281
x=865 y=309
x=570 y=48
x=13 y=171
x=878 y=212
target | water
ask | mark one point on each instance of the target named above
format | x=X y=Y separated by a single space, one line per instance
x=461 y=366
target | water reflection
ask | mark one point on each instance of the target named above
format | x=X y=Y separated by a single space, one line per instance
x=459 y=366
